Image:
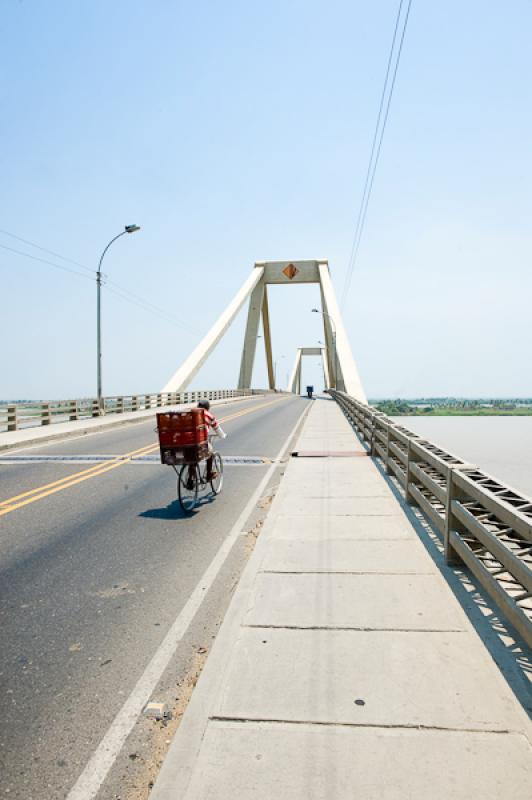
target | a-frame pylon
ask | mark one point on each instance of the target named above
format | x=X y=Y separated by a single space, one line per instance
x=341 y=367
x=294 y=382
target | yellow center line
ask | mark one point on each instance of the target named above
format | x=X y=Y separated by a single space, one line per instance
x=67 y=478
x=40 y=492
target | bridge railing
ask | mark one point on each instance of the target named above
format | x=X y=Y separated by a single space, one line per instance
x=483 y=523
x=14 y=416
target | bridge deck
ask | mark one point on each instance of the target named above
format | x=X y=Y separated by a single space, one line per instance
x=345 y=666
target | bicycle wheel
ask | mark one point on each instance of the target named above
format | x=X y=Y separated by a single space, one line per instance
x=218 y=466
x=187 y=487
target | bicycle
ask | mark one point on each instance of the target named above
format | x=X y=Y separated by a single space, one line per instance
x=186 y=446
x=191 y=478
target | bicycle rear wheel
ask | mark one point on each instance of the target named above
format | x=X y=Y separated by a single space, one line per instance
x=218 y=466
x=187 y=487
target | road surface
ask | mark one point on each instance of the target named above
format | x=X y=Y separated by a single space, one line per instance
x=97 y=562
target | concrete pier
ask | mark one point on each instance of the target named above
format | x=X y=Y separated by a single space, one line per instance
x=345 y=667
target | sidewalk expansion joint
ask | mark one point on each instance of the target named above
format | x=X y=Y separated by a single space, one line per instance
x=348 y=497
x=371 y=725
x=355 y=628
x=336 y=572
x=328 y=454
x=356 y=514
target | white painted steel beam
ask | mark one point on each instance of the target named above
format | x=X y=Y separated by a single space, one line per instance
x=292 y=383
x=282 y=272
x=349 y=380
x=250 y=337
x=197 y=358
x=326 y=376
x=267 y=339
x=328 y=340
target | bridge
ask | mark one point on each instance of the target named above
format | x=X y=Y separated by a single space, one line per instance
x=351 y=617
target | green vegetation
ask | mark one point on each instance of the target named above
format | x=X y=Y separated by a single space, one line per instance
x=454 y=407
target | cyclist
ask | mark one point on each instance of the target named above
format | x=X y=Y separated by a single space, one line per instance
x=217 y=430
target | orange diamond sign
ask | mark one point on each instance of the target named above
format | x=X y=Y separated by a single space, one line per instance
x=290 y=271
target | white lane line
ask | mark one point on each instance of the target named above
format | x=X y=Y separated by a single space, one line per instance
x=107 y=751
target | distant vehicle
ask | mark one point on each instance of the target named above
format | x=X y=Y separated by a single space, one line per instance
x=310 y=391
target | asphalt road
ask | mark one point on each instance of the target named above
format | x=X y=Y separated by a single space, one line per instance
x=96 y=562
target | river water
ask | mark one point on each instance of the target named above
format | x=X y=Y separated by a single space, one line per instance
x=500 y=446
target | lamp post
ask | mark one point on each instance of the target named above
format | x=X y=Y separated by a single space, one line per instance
x=334 y=358
x=127 y=229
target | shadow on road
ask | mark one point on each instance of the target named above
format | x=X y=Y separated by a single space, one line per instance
x=174 y=511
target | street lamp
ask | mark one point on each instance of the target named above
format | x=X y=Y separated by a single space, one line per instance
x=127 y=229
x=333 y=326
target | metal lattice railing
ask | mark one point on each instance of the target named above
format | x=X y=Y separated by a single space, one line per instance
x=15 y=416
x=483 y=523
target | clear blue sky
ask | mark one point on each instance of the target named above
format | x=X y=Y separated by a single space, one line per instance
x=240 y=131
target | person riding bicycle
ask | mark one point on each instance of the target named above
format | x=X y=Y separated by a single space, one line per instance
x=217 y=430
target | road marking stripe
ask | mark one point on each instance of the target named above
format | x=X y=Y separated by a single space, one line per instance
x=69 y=477
x=145 y=458
x=40 y=492
x=81 y=479
x=94 y=774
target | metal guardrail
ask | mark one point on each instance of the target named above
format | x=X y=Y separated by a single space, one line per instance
x=482 y=522
x=14 y=416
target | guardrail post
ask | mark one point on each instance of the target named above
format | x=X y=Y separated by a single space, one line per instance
x=73 y=415
x=147 y=401
x=387 y=459
x=408 y=474
x=134 y=403
x=119 y=405
x=12 y=418
x=46 y=416
x=374 y=437
x=451 y=523
x=159 y=400
x=95 y=408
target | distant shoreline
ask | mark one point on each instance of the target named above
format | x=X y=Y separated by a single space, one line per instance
x=492 y=412
x=455 y=407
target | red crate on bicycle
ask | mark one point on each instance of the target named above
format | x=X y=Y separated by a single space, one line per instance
x=183 y=436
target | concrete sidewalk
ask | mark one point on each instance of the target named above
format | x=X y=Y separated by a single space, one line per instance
x=345 y=667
